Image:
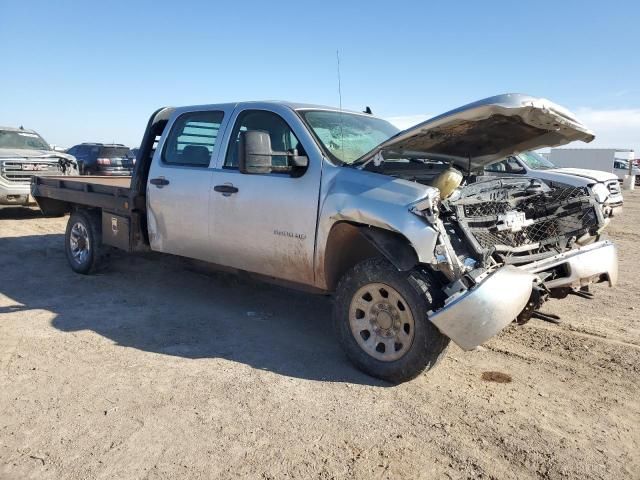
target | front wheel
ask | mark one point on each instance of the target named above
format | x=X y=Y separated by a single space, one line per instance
x=380 y=316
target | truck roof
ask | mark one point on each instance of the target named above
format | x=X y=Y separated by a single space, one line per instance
x=104 y=144
x=292 y=105
x=13 y=129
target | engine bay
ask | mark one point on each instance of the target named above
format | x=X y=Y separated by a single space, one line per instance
x=516 y=221
x=502 y=221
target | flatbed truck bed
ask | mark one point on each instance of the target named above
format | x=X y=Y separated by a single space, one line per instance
x=111 y=198
x=103 y=192
x=118 y=204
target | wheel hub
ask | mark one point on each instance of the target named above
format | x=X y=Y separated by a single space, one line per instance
x=79 y=242
x=384 y=320
x=381 y=321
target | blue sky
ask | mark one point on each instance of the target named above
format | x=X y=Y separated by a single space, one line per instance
x=94 y=71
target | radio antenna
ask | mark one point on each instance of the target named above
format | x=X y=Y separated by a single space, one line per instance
x=340 y=101
x=339 y=80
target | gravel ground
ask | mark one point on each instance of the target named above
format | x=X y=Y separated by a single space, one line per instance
x=152 y=370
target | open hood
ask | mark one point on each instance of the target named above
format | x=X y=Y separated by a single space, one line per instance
x=485 y=131
x=594 y=175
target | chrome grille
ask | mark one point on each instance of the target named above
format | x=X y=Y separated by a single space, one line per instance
x=542 y=232
x=21 y=171
x=554 y=216
x=484 y=209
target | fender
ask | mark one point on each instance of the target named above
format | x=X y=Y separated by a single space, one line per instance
x=372 y=213
x=393 y=246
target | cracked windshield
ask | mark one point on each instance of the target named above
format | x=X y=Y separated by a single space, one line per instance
x=348 y=136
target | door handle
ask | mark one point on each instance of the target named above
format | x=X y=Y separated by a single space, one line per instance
x=159 y=182
x=226 y=189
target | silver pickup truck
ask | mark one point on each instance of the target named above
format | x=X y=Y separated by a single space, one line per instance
x=392 y=223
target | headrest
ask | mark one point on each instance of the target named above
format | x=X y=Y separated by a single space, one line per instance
x=196 y=154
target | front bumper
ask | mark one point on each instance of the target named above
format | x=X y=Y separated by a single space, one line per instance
x=613 y=210
x=16 y=199
x=474 y=316
x=15 y=194
x=613 y=206
x=580 y=267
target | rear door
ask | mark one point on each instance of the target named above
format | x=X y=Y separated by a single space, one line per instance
x=179 y=183
x=266 y=223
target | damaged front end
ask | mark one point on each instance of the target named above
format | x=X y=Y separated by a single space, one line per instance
x=507 y=245
x=504 y=245
x=482 y=308
x=514 y=222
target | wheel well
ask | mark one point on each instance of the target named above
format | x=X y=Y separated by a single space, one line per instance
x=349 y=244
x=95 y=215
x=53 y=208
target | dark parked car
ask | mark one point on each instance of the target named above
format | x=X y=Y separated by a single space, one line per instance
x=133 y=153
x=102 y=159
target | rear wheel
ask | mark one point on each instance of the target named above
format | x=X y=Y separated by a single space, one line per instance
x=83 y=241
x=381 y=320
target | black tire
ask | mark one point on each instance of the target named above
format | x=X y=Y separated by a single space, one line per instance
x=428 y=345
x=89 y=221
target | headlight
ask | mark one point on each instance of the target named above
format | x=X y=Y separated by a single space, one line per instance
x=428 y=207
x=600 y=192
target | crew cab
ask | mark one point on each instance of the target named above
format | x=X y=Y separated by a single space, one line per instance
x=604 y=185
x=341 y=203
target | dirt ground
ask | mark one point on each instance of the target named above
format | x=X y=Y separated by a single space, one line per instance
x=152 y=370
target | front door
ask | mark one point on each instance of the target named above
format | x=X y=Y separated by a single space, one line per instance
x=266 y=223
x=179 y=183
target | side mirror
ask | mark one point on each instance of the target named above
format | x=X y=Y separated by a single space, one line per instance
x=254 y=152
x=255 y=155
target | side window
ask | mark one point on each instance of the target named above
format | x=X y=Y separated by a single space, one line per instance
x=510 y=165
x=513 y=166
x=499 y=167
x=282 y=137
x=192 y=139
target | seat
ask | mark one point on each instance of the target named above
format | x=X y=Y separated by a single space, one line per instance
x=196 y=155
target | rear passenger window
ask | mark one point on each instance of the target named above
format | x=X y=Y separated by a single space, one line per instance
x=192 y=139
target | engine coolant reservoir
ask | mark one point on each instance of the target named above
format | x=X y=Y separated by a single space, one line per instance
x=447 y=182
